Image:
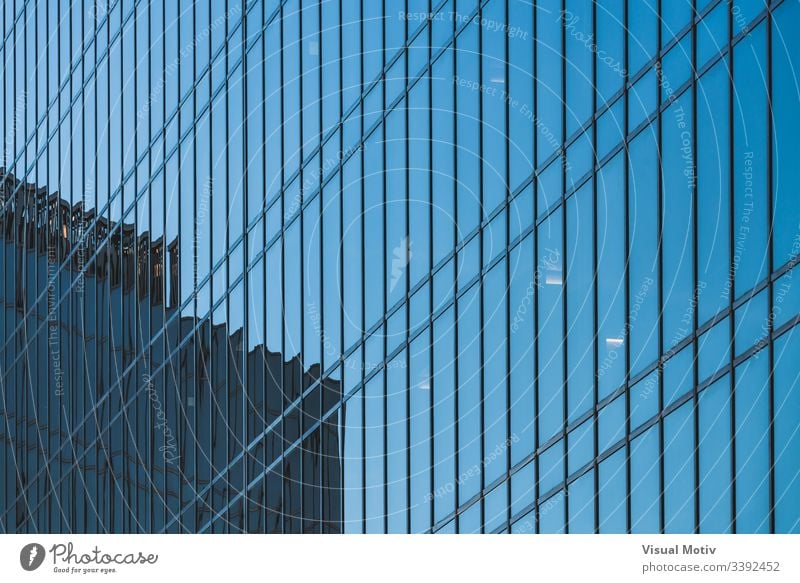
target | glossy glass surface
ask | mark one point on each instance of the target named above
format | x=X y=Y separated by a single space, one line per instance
x=309 y=266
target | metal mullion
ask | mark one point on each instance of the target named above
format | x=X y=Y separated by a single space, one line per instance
x=175 y=376
x=731 y=272
x=384 y=325
x=627 y=269
x=429 y=330
x=660 y=290
x=195 y=332
x=301 y=171
x=595 y=323
x=564 y=321
x=770 y=263
x=99 y=332
x=362 y=340
x=282 y=518
x=323 y=389
x=695 y=278
x=51 y=230
x=39 y=374
x=341 y=274
x=481 y=283
x=508 y=274
x=265 y=509
x=162 y=333
x=95 y=330
x=244 y=375
x=456 y=298
x=534 y=236
x=128 y=480
x=407 y=275
x=226 y=271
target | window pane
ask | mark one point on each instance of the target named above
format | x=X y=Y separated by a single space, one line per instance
x=550 y=323
x=787 y=438
x=752 y=445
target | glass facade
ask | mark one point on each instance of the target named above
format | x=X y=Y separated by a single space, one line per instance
x=400 y=266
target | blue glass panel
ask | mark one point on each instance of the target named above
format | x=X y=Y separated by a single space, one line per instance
x=580 y=160
x=580 y=302
x=580 y=446
x=494 y=238
x=578 y=30
x=551 y=467
x=351 y=251
x=520 y=213
x=787 y=438
x=785 y=299
x=398 y=245
x=679 y=291
x=443 y=157
x=645 y=483
x=469 y=262
x=713 y=191
x=750 y=208
x=493 y=102
x=550 y=327
x=353 y=464
x=419 y=203
x=495 y=508
x=612 y=494
x=752 y=445
x=644 y=400
x=420 y=436
x=610 y=129
x=715 y=457
x=644 y=251
x=374 y=455
x=744 y=11
x=679 y=476
x=611 y=290
x=610 y=56
x=712 y=34
x=549 y=186
x=785 y=134
x=444 y=422
x=642 y=99
x=523 y=488
x=520 y=92
x=551 y=514
x=611 y=424
x=396 y=444
x=675 y=16
x=642 y=35
x=581 y=504
x=751 y=322
x=522 y=330
x=676 y=68
x=444 y=284
x=469 y=394
x=373 y=224
x=468 y=100
x=678 y=375
x=714 y=350
x=526 y=524
x=548 y=76
x=469 y=522
x=495 y=372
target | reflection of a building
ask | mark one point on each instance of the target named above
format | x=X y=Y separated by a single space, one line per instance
x=118 y=414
